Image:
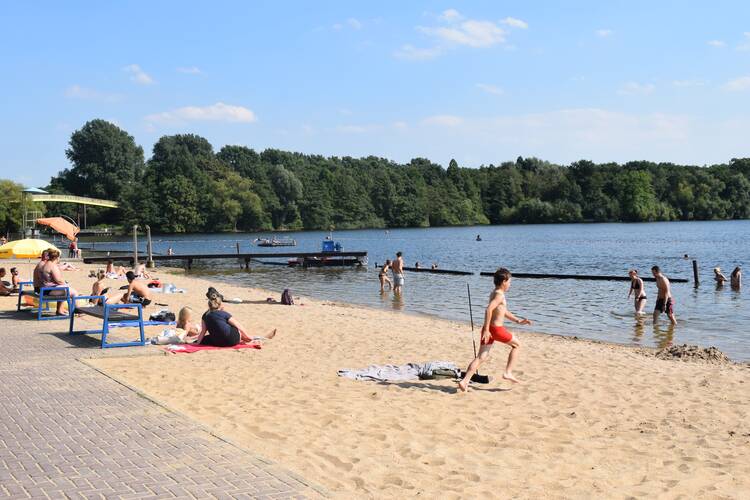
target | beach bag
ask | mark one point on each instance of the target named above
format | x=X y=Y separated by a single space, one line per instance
x=163 y=315
x=286 y=298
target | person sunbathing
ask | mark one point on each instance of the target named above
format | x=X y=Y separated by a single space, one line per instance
x=113 y=272
x=140 y=271
x=98 y=287
x=5 y=286
x=137 y=292
x=219 y=328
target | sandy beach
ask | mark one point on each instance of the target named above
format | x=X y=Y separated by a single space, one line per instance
x=589 y=419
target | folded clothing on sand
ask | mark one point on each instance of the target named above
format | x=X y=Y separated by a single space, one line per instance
x=409 y=371
x=191 y=348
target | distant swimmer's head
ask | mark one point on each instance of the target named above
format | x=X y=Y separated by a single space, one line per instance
x=717 y=270
x=655 y=270
x=398 y=254
x=388 y=262
x=633 y=273
x=736 y=271
x=502 y=278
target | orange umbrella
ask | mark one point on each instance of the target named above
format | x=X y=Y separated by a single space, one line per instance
x=61 y=226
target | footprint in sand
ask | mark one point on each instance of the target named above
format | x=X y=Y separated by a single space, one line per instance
x=339 y=464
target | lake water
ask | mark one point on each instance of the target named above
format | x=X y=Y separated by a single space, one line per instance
x=599 y=310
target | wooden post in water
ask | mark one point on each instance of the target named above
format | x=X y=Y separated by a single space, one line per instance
x=695 y=273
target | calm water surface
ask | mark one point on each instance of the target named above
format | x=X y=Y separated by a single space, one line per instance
x=592 y=309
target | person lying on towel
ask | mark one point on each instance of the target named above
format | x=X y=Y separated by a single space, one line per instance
x=137 y=293
x=219 y=328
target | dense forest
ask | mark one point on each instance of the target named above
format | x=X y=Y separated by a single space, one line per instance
x=188 y=187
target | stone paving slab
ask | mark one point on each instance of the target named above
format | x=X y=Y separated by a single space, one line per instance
x=67 y=431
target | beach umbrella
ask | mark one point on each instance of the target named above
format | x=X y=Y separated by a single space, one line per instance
x=24 y=249
x=60 y=225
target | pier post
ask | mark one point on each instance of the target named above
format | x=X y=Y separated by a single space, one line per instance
x=135 y=245
x=149 y=248
x=238 y=248
x=695 y=273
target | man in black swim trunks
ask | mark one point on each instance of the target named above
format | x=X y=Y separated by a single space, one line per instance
x=664 y=301
x=138 y=292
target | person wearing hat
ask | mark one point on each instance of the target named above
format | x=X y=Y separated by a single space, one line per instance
x=219 y=328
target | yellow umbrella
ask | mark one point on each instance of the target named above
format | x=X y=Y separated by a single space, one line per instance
x=24 y=249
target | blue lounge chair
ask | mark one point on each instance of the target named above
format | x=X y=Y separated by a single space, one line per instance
x=44 y=299
x=112 y=318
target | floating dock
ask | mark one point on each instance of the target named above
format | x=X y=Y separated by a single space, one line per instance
x=592 y=277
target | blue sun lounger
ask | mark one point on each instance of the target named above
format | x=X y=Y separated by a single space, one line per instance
x=112 y=317
x=45 y=298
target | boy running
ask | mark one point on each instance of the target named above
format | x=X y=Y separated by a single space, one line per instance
x=493 y=330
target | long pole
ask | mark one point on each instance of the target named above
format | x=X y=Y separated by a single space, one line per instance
x=471 y=317
x=149 y=248
x=695 y=273
x=135 y=246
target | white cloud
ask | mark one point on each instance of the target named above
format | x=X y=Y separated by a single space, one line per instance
x=688 y=83
x=490 y=89
x=352 y=23
x=216 y=112
x=78 y=92
x=716 y=43
x=137 y=75
x=352 y=129
x=745 y=45
x=738 y=84
x=443 y=120
x=412 y=53
x=400 y=125
x=635 y=88
x=471 y=33
x=451 y=15
x=604 y=33
x=515 y=23
x=189 y=70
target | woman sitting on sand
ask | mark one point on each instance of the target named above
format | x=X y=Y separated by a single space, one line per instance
x=113 y=272
x=223 y=330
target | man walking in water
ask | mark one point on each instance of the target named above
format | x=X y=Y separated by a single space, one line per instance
x=398 y=273
x=664 y=302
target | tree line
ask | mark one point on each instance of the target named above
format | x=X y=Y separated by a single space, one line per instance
x=185 y=186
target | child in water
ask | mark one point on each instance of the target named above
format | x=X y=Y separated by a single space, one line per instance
x=493 y=330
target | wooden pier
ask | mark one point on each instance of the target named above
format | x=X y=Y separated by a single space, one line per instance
x=246 y=257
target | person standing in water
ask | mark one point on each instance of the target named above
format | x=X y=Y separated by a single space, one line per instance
x=719 y=277
x=383 y=276
x=664 y=302
x=636 y=288
x=493 y=330
x=735 y=279
x=398 y=273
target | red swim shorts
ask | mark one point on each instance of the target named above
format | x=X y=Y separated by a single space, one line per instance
x=500 y=334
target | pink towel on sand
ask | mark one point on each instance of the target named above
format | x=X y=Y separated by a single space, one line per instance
x=190 y=348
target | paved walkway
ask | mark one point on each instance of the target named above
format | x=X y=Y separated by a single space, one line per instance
x=66 y=430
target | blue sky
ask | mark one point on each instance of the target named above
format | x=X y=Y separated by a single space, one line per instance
x=480 y=81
